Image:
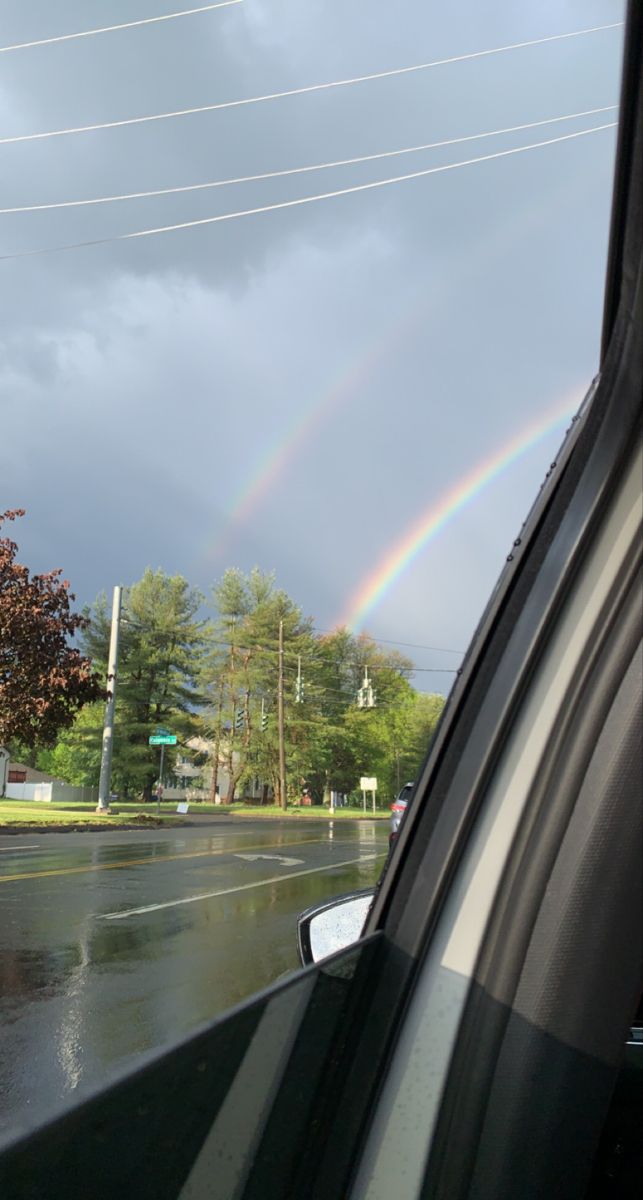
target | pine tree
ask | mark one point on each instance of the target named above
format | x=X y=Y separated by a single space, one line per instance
x=160 y=662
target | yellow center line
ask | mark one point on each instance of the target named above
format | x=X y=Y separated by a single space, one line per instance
x=143 y=862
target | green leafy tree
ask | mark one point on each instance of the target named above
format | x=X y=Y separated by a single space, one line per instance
x=75 y=758
x=358 y=740
x=330 y=740
x=241 y=676
x=415 y=736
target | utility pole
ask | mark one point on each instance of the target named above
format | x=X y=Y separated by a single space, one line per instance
x=108 y=725
x=217 y=746
x=233 y=700
x=159 y=790
x=280 y=719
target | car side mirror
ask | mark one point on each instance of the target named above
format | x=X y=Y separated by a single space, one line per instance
x=326 y=928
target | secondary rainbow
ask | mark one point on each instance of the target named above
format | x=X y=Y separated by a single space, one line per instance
x=291 y=443
x=396 y=560
x=282 y=454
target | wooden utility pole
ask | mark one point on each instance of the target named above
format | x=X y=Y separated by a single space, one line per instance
x=280 y=720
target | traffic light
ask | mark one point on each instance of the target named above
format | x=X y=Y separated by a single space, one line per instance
x=299 y=683
x=366 y=697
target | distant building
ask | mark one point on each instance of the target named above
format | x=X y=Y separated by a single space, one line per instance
x=19 y=773
x=199 y=786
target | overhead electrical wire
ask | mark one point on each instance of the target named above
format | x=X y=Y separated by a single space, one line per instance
x=268 y=644
x=341 y=162
x=312 y=660
x=393 y=642
x=317 y=655
x=300 y=91
x=283 y=204
x=85 y=33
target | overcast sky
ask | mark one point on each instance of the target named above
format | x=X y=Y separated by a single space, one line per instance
x=349 y=360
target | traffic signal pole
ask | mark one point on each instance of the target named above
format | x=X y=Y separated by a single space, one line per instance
x=159 y=790
x=108 y=725
x=280 y=720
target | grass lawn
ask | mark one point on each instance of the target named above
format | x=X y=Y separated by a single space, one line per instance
x=253 y=810
x=272 y=810
x=25 y=813
x=32 y=812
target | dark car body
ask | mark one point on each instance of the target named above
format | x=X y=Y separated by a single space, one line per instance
x=399 y=807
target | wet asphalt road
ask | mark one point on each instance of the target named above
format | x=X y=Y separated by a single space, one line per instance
x=116 y=943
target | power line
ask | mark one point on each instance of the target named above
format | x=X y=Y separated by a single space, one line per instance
x=393 y=642
x=318 y=629
x=250 y=212
x=374 y=668
x=315 y=659
x=70 y=37
x=341 y=162
x=436 y=670
x=300 y=91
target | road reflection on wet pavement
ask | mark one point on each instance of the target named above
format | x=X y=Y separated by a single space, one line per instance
x=116 y=943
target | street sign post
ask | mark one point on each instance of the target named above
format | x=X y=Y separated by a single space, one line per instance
x=161 y=738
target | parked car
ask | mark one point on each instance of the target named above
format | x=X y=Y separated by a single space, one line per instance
x=398 y=808
x=474 y=1043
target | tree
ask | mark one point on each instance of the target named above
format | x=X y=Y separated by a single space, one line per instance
x=76 y=756
x=44 y=681
x=241 y=677
x=414 y=739
x=329 y=740
x=359 y=741
x=160 y=659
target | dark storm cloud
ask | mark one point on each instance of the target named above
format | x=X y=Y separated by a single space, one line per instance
x=143 y=383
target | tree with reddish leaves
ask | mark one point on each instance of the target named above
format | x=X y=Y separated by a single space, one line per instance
x=44 y=680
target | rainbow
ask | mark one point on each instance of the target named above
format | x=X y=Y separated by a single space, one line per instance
x=372 y=590
x=274 y=463
x=291 y=441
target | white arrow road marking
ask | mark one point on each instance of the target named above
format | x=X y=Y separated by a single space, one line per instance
x=244 y=887
x=280 y=858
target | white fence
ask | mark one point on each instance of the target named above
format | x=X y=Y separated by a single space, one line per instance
x=20 y=791
x=52 y=793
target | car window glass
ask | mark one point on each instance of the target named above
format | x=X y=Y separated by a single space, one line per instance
x=297 y=306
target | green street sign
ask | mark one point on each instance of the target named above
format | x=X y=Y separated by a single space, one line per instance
x=162 y=739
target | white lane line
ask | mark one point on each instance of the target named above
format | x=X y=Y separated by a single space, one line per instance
x=280 y=858
x=13 y=849
x=244 y=887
